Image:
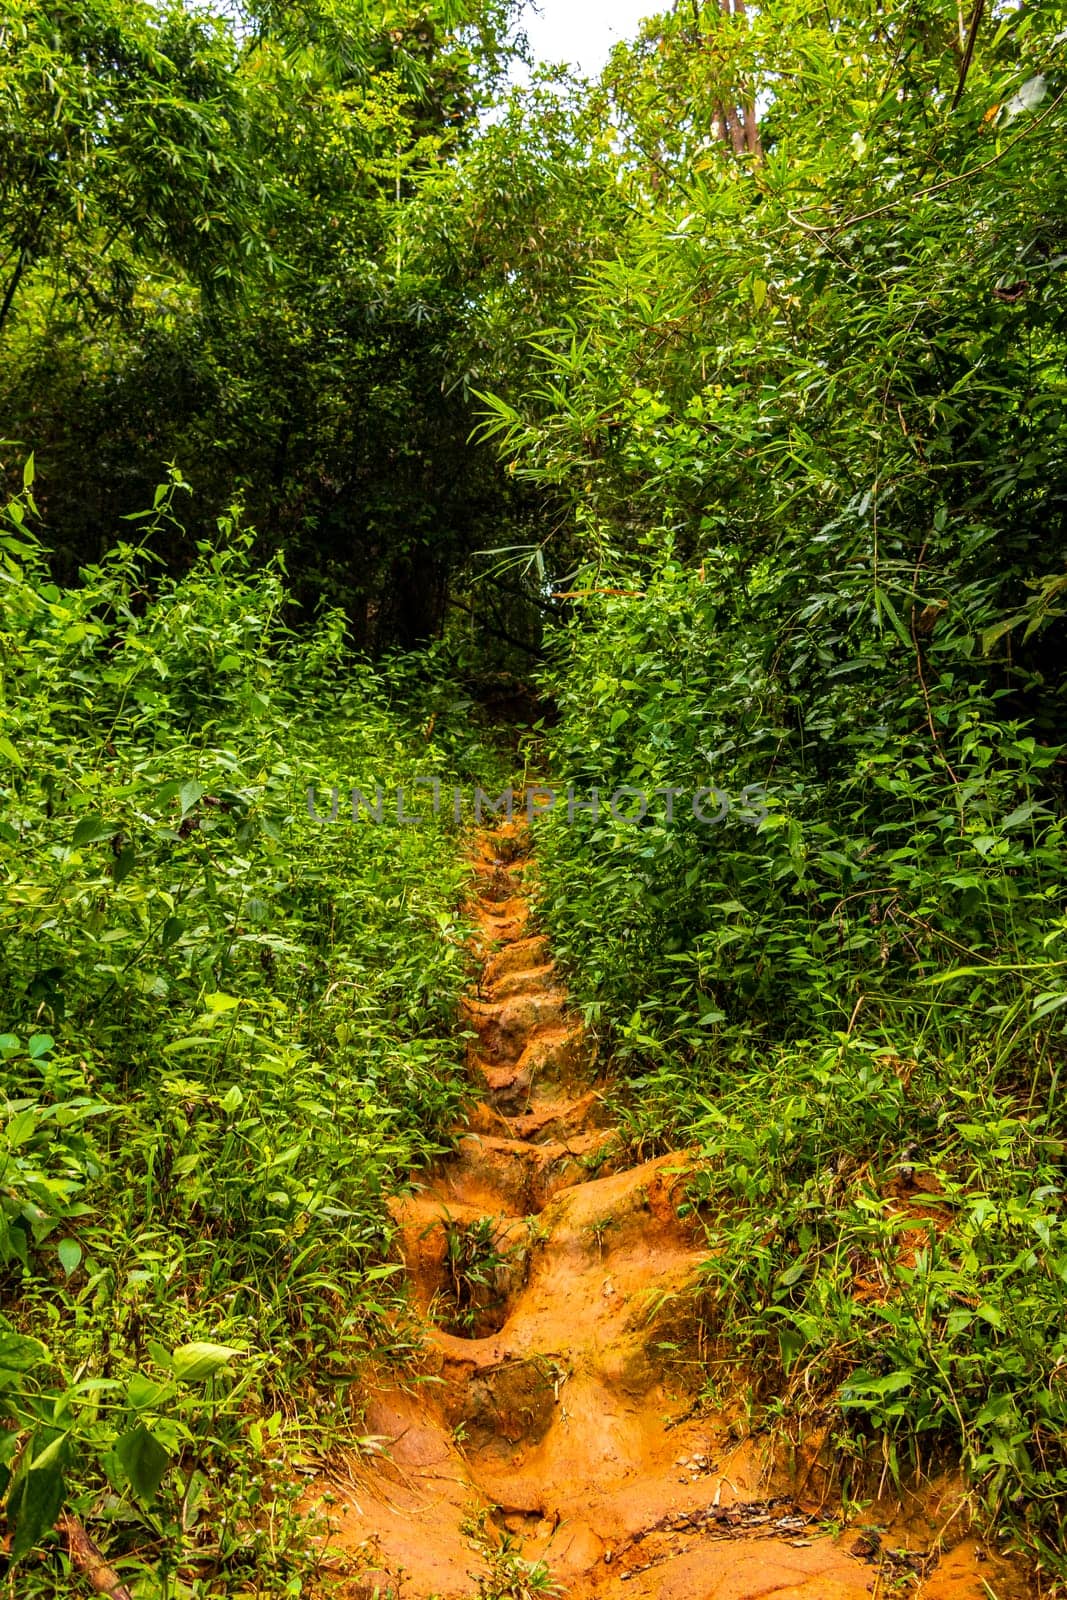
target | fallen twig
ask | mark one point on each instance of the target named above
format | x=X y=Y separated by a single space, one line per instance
x=90 y=1561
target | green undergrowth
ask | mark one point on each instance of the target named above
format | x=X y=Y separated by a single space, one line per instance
x=848 y=996
x=227 y=1027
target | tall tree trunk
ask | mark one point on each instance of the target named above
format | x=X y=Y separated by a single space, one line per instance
x=741 y=128
x=753 y=142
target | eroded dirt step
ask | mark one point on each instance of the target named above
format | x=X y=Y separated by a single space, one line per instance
x=522 y=981
x=497 y=884
x=521 y=956
x=504 y=1028
x=558 y=1397
x=547 y=1117
x=502 y=922
x=512 y=1177
x=466 y=1268
x=555 y=1054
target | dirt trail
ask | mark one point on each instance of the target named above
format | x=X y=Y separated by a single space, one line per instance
x=555 y=1415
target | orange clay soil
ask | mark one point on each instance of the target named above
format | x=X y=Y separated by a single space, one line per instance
x=555 y=1411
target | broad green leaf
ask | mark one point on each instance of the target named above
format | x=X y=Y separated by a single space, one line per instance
x=52 y=1455
x=20 y=1353
x=144 y=1393
x=189 y=795
x=124 y=864
x=23 y=1126
x=143 y=1460
x=221 y=1002
x=33 y=1505
x=69 y=1252
x=91 y=830
x=192 y=1363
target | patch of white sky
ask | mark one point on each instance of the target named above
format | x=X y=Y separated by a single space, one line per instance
x=582 y=33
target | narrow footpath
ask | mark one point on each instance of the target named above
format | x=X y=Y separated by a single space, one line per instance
x=555 y=1418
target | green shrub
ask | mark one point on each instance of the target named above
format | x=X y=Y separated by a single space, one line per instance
x=228 y=1030
x=848 y=997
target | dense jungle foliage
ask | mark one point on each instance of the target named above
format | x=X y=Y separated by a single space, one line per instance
x=721 y=400
x=228 y=1021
